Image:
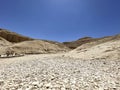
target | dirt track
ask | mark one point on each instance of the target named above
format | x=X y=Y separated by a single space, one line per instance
x=56 y=72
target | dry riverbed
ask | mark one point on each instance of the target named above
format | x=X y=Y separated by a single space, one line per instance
x=56 y=72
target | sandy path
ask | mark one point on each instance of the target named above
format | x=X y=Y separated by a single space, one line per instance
x=55 y=72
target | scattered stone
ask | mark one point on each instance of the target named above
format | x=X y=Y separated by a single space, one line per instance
x=59 y=73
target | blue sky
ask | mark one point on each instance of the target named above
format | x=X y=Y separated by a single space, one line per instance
x=61 y=20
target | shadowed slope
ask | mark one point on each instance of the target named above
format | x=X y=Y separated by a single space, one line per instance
x=12 y=36
x=77 y=43
x=85 y=40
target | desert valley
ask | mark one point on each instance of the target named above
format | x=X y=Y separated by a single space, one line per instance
x=34 y=64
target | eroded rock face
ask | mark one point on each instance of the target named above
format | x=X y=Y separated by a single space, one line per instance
x=12 y=36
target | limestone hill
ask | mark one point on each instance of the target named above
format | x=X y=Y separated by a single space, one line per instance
x=4 y=44
x=37 y=47
x=13 y=42
x=106 y=47
x=77 y=43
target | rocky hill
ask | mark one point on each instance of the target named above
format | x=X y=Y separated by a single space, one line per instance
x=37 y=47
x=84 y=40
x=13 y=42
x=106 y=47
x=4 y=44
x=85 y=48
x=77 y=43
x=12 y=36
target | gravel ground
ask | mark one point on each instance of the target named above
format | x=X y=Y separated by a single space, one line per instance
x=58 y=73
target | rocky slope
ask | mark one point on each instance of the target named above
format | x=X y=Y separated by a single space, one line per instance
x=85 y=48
x=84 y=40
x=13 y=42
x=107 y=47
x=77 y=43
x=37 y=47
x=12 y=36
x=3 y=45
x=4 y=42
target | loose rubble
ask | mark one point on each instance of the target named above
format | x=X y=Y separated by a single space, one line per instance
x=60 y=73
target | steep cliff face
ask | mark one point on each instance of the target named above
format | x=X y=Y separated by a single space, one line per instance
x=12 y=36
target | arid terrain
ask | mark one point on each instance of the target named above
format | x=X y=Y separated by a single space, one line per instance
x=56 y=72
x=106 y=48
x=13 y=42
x=84 y=64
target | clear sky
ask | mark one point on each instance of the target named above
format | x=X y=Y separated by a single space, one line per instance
x=61 y=20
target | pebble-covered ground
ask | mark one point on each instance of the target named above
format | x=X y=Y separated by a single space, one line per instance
x=59 y=73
